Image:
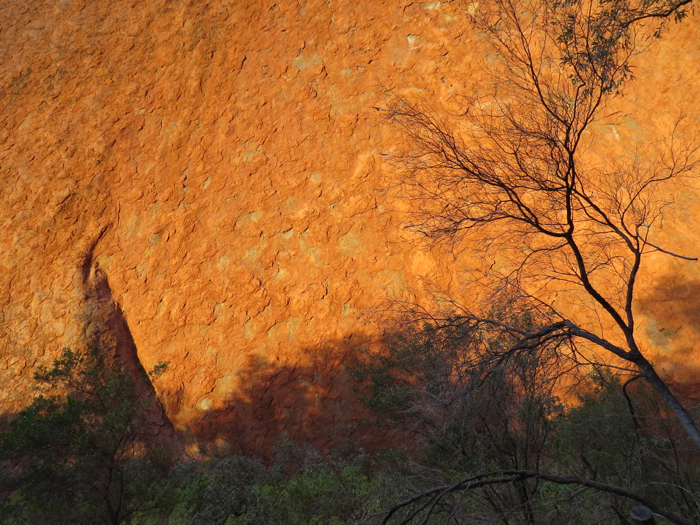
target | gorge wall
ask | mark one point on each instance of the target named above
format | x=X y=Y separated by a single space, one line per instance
x=216 y=173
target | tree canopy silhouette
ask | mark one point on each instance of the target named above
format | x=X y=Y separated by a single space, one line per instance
x=522 y=174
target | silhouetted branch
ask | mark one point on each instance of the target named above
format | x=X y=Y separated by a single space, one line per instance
x=510 y=173
x=436 y=494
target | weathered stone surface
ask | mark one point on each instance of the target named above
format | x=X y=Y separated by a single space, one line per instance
x=222 y=165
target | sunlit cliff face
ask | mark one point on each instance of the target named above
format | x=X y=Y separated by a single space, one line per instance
x=219 y=175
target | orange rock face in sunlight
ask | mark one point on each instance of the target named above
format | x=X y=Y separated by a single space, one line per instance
x=216 y=172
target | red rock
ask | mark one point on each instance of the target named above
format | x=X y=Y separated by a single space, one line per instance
x=221 y=165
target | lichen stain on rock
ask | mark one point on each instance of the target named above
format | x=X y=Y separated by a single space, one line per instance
x=232 y=156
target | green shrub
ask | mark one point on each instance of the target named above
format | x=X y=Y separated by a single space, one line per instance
x=77 y=453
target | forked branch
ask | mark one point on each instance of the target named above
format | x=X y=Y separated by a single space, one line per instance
x=430 y=498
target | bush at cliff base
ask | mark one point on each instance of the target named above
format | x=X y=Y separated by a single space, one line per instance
x=78 y=455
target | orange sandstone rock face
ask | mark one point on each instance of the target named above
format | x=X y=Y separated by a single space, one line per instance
x=215 y=171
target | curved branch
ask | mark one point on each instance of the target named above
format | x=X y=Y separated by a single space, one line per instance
x=512 y=476
x=657 y=248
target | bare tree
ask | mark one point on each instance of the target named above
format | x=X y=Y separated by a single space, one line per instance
x=521 y=174
x=423 y=504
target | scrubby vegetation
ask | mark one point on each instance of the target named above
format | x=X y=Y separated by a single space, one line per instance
x=78 y=455
x=524 y=439
x=505 y=417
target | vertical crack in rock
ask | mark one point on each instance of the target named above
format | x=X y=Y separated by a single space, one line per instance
x=107 y=327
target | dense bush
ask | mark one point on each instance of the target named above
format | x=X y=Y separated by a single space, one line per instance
x=77 y=454
x=474 y=415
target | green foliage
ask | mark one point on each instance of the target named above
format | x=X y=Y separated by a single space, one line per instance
x=623 y=436
x=467 y=410
x=600 y=37
x=333 y=490
x=77 y=453
x=236 y=490
x=474 y=416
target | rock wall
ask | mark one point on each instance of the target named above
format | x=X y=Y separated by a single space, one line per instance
x=220 y=167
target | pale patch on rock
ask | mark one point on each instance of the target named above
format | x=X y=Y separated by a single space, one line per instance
x=302 y=61
x=393 y=281
x=312 y=252
x=223 y=262
x=660 y=337
x=250 y=151
x=350 y=244
x=205 y=404
x=252 y=256
x=423 y=264
x=284 y=330
x=104 y=261
x=250 y=329
x=282 y=274
x=247 y=218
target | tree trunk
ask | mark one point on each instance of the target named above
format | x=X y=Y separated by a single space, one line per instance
x=671 y=401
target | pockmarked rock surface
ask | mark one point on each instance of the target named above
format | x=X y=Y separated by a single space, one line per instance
x=216 y=173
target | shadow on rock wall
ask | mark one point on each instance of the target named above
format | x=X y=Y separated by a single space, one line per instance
x=311 y=404
x=107 y=327
x=672 y=309
x=5 y=421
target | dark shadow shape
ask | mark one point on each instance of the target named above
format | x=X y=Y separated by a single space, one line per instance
x=88 y=259
x=5 y=421
x=311 y=403
x=672 y=307
x=110 y=330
